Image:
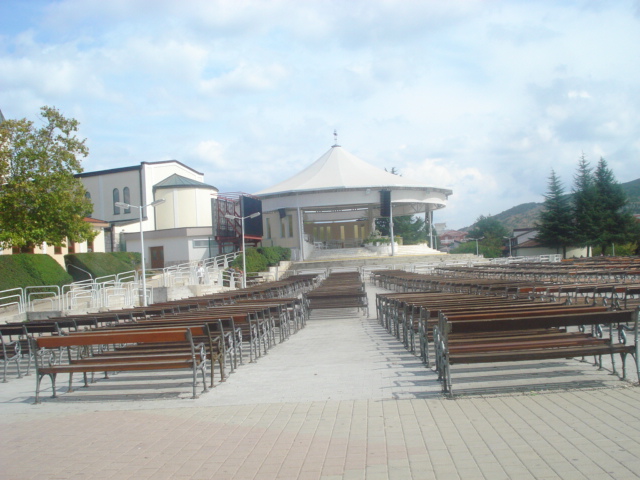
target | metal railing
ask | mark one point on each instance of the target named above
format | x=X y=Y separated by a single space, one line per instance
x=11 y=297
x=121 y=289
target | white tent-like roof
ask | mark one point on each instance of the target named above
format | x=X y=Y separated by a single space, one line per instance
x=338 y=168
x=339 y=186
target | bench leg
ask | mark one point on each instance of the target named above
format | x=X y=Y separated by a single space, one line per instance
x=52 y=376
x=446 y=380
x=70 y=383
x=29 y=356
x=202 y=368
x=613 y=363
x=53 y=384
x=221 y=362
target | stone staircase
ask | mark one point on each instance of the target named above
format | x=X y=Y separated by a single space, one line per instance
x=409 y=255
x=361 y=252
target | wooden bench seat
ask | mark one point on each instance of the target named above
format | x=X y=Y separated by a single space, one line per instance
x=194 y=359
x=456 y=342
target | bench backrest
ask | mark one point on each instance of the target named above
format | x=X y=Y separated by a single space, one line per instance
x=552 y=321
x=156 y=335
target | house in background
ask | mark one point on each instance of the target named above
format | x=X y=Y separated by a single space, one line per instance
x=176 y=231
x=450 y=239
x=524 y=244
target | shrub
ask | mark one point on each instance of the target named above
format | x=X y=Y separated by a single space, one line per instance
x=621 y=250
x=260 y=259
x=255 y=261
x=275 y=255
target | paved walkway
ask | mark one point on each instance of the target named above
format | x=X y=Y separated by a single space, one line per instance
x=341 y=399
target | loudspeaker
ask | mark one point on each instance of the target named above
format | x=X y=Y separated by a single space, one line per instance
x=385 y=203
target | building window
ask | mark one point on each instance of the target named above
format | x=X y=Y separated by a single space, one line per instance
x=57 y=250
x=71 y=247
x=90 y=246
x=282 y=228
x=268 y=222
x=116 y=198
x=200 y=243
x=126 y=198
x=87 y=195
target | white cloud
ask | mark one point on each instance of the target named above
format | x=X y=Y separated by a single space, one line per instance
x=483 y=98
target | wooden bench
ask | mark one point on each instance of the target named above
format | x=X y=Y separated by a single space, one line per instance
x=531 y=338
x=194 y=358
x=339 y=290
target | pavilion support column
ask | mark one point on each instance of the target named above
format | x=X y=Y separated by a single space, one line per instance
x=301 y=233
x=372 y=221
x=393 y=246
x=428 y=215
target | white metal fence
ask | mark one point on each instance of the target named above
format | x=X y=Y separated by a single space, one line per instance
x=121 y=289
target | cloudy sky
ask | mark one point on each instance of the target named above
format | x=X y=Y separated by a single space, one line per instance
x=481 y=97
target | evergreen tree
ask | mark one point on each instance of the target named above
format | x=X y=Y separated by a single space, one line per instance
x=585 y=206
x=615 y=223
x=555 y=225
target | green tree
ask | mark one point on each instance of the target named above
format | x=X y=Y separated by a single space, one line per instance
x=585 y=206
x=555 y=224
x=490 y=234
x=40 y=198
x=413 y=229
x=616 y=225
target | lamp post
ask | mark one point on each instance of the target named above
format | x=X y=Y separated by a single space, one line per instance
x=477 y=250
x=509 y=238
x=144 y=272
x=244 y=259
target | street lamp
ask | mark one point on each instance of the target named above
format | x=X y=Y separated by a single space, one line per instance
x=244 y=259
x=477 y=250
x=509 y=238
x=144 y=272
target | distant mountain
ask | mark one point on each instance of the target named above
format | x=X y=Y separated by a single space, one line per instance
x=526 y=214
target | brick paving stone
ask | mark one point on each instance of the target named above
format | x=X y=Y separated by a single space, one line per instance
x=364 y=408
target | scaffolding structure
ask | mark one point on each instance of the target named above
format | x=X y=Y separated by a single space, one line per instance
x=228 y=231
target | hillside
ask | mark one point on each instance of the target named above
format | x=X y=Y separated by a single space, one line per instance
x=526 y=214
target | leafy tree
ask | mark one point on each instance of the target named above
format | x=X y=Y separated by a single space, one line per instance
x=413 y=229
x=40 y=198
x=487 y=250
x=616 y=225
x=494 y=234
x=585 y=206
x=555 y=226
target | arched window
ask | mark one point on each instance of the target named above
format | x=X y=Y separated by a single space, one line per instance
x=87 y=195
x=126 y=198
x=116 y=198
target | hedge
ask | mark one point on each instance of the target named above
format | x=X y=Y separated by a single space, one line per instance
x=101 y=264
x=28 y=270
x=260 y=259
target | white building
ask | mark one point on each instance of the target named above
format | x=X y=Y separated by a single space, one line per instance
x=175 y=231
